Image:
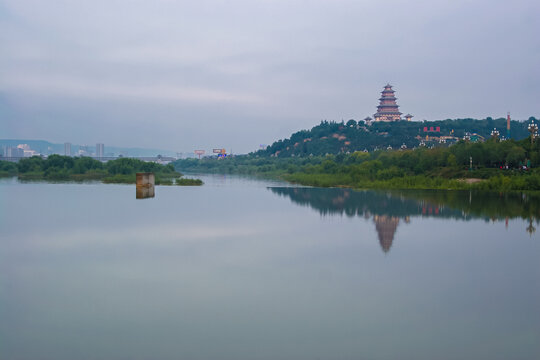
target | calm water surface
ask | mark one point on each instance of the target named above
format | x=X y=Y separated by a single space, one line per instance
x=248 y=269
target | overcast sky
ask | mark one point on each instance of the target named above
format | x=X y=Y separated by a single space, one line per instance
x=181 y=75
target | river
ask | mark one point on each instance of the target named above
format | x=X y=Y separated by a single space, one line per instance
x=253 y=269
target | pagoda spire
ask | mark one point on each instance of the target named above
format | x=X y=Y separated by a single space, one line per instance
x=388 y=109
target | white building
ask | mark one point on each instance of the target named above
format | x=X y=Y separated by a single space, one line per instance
x=27 y=152
x=100 y=150
x=67 y=149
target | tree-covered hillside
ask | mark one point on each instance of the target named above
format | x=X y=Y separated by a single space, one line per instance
x=342 y=137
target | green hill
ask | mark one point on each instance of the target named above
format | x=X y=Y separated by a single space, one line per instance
x=342 y=137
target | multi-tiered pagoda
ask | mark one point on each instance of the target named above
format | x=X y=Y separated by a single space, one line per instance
x=387 y=110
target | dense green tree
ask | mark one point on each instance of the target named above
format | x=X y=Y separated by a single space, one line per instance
x=7 y=168
x=32 y=164
x=57 y=167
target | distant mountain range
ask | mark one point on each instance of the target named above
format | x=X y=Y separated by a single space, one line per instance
x=46 y=147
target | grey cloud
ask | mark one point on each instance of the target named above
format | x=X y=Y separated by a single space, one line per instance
x=248 y=72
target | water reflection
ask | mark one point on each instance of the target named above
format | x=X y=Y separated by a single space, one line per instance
x=144 y=192
x=386 y=228
x=87 y=269
x=389 y=208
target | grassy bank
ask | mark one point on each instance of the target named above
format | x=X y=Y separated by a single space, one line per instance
x=528 y=182
x=407 y=182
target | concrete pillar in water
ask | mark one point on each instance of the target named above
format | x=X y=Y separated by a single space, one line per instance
x=145 y=185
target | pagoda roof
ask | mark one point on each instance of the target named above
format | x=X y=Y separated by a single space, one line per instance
x=368 y=118
x=409 y=115
x=387 y=109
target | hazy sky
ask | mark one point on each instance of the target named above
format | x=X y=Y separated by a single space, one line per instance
x=181 y=75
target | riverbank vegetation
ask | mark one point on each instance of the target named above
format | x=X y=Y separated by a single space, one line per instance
x=7 y=169
x=66 y=168
x=496 y=165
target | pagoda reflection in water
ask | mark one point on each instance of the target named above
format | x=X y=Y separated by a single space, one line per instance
x=386 y=228
x=389 y=208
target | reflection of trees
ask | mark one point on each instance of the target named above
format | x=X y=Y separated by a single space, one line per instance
x=487 y=205
x=387 y=208
x=332 y=201
x=462 y=205
x=531 y=229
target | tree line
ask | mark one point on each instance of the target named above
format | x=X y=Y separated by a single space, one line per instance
x=496 y=165
x=58 y=167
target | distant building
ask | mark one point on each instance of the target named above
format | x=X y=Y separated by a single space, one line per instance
x=27 y=151
x=67 y=149
x=473 y=137
x=83 y=151
x=100 y=150
x=388 y=109
x=13 y=152
x=368 y=121
x=408 y=117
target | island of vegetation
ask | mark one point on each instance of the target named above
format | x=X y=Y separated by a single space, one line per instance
x=490 y=165
x=66 y=168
